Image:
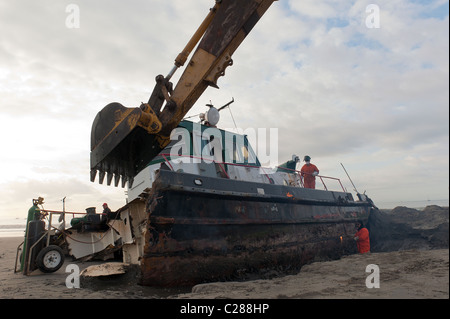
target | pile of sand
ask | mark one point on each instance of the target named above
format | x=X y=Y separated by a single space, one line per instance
x=405 y=228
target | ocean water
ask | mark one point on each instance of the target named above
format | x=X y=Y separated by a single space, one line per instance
x=12 y=230
x=15 y=227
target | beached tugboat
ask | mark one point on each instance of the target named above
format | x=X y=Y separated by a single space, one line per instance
x=201 y=207
x=211 y=220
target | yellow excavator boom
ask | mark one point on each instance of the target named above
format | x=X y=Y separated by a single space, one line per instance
x=124 y=140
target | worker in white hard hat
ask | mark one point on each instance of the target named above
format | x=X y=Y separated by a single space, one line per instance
x=309 y=172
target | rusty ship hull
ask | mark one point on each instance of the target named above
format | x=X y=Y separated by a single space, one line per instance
x=203 y=229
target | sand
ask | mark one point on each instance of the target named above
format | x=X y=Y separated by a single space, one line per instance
x=53 y=286
x=408 y=274
x=404 y=274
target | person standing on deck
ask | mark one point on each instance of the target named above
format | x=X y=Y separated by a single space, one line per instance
x=309 y=172
x=362 y=238
x=107 y=212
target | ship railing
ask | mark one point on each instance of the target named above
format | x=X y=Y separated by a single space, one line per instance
x=62 y=221
x=64 y=213
x=58 y=212
x=322 y=178
x=263 y=170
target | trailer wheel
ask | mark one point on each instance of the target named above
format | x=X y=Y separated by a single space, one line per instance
x=50 y=259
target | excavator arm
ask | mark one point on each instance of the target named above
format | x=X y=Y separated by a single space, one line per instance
x=124 y=140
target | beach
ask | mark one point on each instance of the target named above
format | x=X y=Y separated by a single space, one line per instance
x=39 y=285
x=409 y=259
x=406 y=274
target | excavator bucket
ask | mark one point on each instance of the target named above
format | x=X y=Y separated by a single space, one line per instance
x=119 y=136
x=125 y=140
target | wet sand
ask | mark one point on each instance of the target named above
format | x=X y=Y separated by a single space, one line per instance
x=402 y=274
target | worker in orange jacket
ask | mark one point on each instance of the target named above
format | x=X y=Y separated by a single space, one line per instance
x=362 y=238
x=309 y=172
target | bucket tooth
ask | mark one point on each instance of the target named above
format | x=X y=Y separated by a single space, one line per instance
x=124 y=180
x=93 y=174
x=114 y=169
x=101 y=176
x=109 y=177
x=130 y=182
x=116 y=179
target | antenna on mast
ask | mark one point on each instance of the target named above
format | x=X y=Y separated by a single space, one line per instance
x=354 y=187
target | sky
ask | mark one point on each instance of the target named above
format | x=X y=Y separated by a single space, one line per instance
x=339 y=80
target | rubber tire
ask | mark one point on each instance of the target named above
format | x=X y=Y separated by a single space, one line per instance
x=42 y=258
